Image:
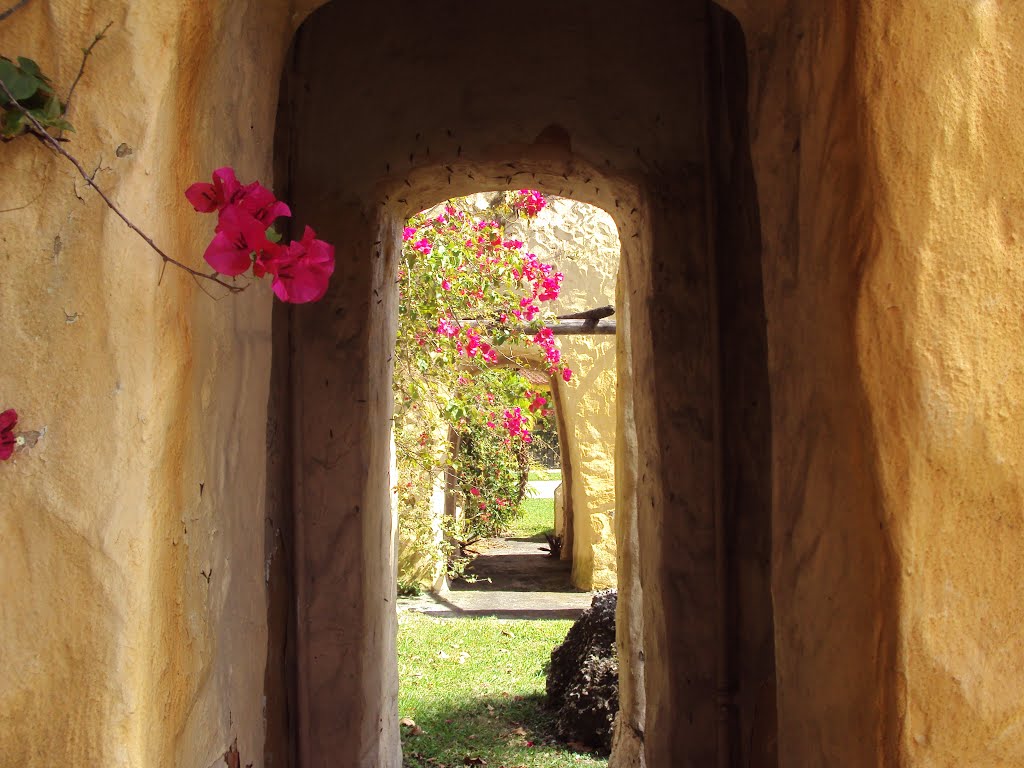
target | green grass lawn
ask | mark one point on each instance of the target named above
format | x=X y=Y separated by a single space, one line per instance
x=473 y=688
x=538 y=518
x=538 y=473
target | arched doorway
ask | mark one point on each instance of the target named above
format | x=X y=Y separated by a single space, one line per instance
x=374 y=125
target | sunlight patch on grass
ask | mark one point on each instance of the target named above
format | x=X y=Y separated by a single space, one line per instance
x=537 y=519
x=474 y=688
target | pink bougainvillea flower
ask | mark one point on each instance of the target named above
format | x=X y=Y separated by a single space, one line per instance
x=269 y=259
x=239 y=237
x=529 y=202
x=447 y=328
x=475 y=491
x=446 y=284
x=260 y=203
x=302 y=269
x=423 y=246
x=408 y=233
x=566 y=374
x=490 y=353
x=8 y=421
x=225 y=191
x=206 y=198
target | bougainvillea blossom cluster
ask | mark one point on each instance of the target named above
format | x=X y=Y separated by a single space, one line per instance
x=245 y=237
x=480 y=272
x=471 y=320
x=529 y=202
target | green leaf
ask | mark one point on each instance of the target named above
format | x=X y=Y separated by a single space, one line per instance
x=29 y=67
x=273 y=235
x=52 y=109
x=12 y=124
x=21 y=85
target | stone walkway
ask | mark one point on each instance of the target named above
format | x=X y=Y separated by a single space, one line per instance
x=516 y=579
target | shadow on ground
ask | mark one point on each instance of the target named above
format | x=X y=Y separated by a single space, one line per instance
x=512 y=579
x=513 y=731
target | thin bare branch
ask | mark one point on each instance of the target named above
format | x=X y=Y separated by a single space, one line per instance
x=40 y=133
x=86 y=53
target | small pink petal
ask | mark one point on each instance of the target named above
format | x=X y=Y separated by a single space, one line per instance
x=226 y=256
x=305 y=270
x=202 y=196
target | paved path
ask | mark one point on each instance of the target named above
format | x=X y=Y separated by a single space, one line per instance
x=516 y=579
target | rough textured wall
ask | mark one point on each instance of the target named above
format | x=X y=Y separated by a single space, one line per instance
x=419 y=539
x=117 y=650
x=583 y=243
x=889 y=165
x=744 y=405
x=834 y=587
x=940 y=317
x=888 y=171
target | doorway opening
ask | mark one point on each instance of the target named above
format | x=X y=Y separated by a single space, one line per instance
x=496 y=333
x=662 y=146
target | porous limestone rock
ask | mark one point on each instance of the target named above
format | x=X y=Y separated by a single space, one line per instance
x=583 y=679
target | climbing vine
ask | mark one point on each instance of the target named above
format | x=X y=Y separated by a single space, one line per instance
x=472 y=341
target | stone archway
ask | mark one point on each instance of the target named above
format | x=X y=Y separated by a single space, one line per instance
x=647 y=160
x=894 y=443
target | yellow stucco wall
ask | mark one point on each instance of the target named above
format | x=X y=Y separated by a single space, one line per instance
x=889 y=162
x=117 y=649
x=940 y=329
x=583 y=243
x=889 y=157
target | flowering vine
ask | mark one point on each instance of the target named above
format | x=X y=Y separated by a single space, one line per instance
x=472 y=350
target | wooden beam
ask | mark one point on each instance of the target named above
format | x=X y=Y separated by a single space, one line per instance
x=603 y=327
